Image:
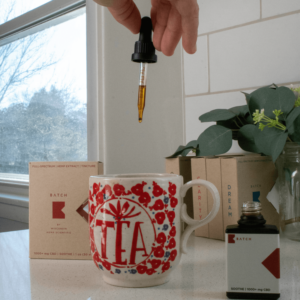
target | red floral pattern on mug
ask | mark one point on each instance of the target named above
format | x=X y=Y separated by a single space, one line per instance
x=160 y=217
x=157 y=190
x=158 y=205
x=159 y=252
x=145 y=199
x=172 y=188
x=161 y=238
x=173 y=255
x=138 y=188
x=160 y=257
x=141 y=269
x=173 y=202
x=96 y=188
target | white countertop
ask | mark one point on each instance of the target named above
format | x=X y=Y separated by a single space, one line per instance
x=200 y=274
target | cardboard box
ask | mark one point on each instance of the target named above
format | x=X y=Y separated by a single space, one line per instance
x=182 y=166
x=238 y=179
x=58 y=195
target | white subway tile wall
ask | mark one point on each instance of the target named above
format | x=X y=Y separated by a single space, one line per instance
x=196 y=69
x=217 y=14
x=250 y=44
x=277 y=7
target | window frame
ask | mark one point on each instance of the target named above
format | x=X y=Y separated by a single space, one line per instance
x=38 y=19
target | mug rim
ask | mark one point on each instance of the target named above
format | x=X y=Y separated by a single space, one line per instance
x=138 y=176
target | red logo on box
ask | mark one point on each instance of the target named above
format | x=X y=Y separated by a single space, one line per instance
x=57 y=212
x=231 y=239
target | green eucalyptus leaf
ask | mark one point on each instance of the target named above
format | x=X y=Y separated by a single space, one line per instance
x=247 y=97
x=231 y=124
x=241 y=110
x=197 y=152
x=179 y=150
x=215 y=140
x=271 y=141
x=246 y=138
x=259 y=99
x=293 y=125
x=188 y=146
x=284 y=100
x=271 y=98
x=217 y=115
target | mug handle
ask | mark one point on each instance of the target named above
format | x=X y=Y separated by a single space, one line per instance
x=193 y=224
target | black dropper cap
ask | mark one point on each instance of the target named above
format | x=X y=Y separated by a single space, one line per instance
x=144 y=50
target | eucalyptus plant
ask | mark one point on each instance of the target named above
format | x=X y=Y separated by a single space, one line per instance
x=270 y=118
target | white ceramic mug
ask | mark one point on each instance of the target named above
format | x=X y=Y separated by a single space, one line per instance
x=135 y=226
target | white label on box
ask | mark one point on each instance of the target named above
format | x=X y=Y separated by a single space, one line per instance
x=253 y=263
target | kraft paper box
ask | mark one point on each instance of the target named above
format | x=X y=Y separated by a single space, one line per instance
x=58 y=198
x=182 y=166
x=238 y=179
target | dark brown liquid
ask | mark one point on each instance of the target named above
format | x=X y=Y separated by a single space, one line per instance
x=141 y=101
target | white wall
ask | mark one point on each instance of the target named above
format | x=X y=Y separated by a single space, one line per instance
x=242 y=45
x=130 y=146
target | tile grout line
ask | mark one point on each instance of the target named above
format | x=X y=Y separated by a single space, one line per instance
x=208 y=63
x=238 y=90
x=251 y=23
x=183 y=95
x=260 y=9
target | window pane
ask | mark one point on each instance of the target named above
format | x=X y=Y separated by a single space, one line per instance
x=11 y=9
x=43 y=97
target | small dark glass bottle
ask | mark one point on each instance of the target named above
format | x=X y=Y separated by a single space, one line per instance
x=253 y=267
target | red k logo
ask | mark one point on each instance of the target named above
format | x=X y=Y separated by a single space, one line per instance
x=231 y=239
x=57 y=212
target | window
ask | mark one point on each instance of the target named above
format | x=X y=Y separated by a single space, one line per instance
x=43 y=114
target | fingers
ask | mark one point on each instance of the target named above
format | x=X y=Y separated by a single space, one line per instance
x=126 y=13
x=172 y=33
x=189 y=11
x=161 y=10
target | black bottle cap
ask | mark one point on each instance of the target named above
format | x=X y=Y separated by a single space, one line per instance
x=144 y=50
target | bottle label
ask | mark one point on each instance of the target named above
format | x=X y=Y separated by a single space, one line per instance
x=253 y=263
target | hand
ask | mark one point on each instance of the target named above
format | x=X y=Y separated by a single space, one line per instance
x=171 y=19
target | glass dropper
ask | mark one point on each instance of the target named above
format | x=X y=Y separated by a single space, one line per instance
x=144 y=53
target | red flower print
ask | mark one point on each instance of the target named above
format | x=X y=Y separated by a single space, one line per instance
x=141 y=269
x=158 y=205
x=157 y=190
x=161 y=238
x=90 y=195
x=93 y=247
x=92 y=209
x=173 y=255
x=145 y=198
x=138 y=188
x=150 y=271
x=106 y=265
x=172 y=188
x=90 y=218
x=171 y=217
x=173 y=231
x=160 y=217
x=155 y=263
x=173 y=202
x=165 y=267
x=99 y=198
x=172 y=244
x=96 y=188
x=119 y=189
x=96 y=257
x=159 y=252
x=107 y=190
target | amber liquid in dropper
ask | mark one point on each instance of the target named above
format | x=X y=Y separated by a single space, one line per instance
x=141 y=101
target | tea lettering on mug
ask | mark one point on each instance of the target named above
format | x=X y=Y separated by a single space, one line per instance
x=119 y=249
x=104 y=225
x=134 y=249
